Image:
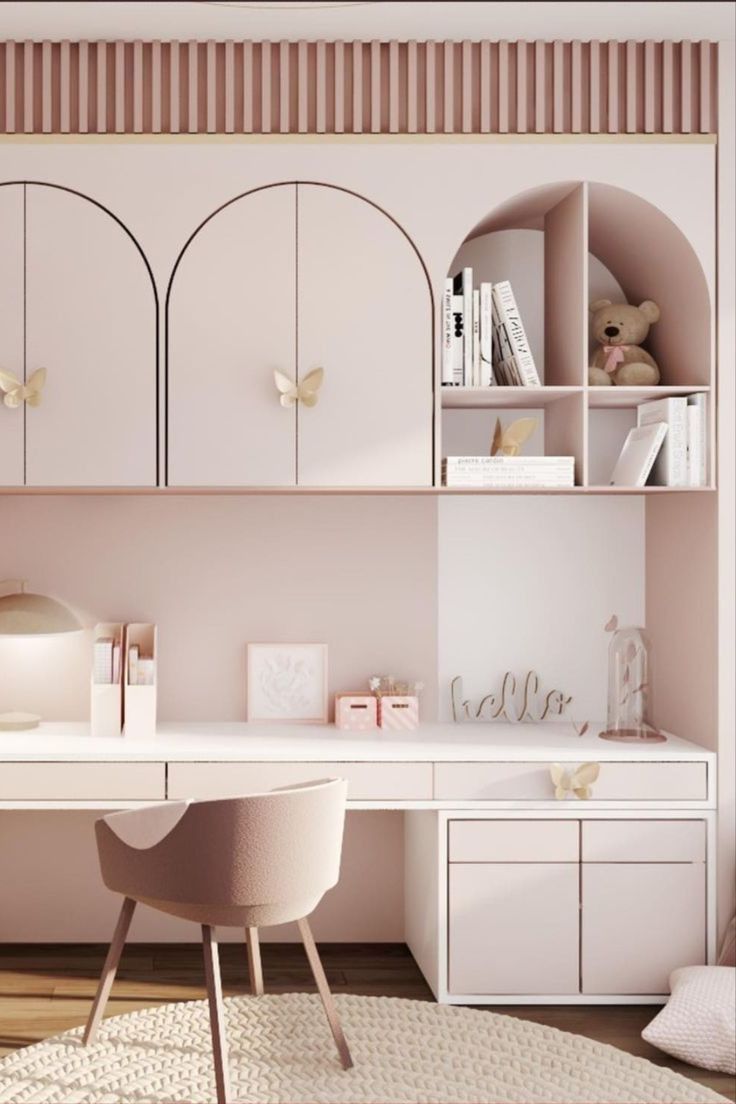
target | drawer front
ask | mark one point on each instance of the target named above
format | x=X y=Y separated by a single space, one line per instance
x=646 y=841
x=82 y=781
x=366 y=781
x=503 y=841
x=532 y=782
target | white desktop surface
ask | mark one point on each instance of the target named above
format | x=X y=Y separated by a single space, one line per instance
x=68 y=741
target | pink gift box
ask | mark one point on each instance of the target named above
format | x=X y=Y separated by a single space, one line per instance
x=399 y=711
x=356 y=712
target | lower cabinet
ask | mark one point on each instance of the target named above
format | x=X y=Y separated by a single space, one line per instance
x=573 y=907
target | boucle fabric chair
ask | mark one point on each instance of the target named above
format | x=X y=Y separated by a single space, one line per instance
x=242 y=862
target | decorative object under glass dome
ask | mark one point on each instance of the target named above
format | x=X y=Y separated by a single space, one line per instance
x=629 y=668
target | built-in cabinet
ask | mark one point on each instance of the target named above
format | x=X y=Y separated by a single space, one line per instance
x=295 y=277
x=77 y=299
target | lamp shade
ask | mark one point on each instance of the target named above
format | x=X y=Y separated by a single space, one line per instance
x=25 y=614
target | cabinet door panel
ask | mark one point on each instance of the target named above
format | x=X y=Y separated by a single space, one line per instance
x=91 y=322
x=639 y=922
x=513 y=928
x=11 y=329
x=231 y=321
x=365 y=316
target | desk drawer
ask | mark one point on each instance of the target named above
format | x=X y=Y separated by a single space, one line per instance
x=532 y=782
x=82 y=782
x=513 y=841
x=366 y=781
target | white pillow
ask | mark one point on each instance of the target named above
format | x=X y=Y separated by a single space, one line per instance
x=698 y=1023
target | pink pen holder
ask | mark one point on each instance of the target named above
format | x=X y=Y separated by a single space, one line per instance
x=398 y=711
x=356 y=712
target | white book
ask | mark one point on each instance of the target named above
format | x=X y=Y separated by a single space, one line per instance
x=447 y=377
x=102 y=660
x=509 y=462
x=670 y=468
x=476 y=338
x=510 y=319
x=486 y=336
x=457 y=340
x=509 y=471
x=697 y=437
x=467 y=288
x=638 y=455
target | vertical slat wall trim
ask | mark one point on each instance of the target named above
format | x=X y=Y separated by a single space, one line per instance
x=65 y=88
x=28 y=88
x=101 y=87
x=540 y=89
x=630 y=87
x=503 y=87
x=10 y=88
x=430 y=89
x=667 y=88
x=448 y=83
x=248 y=88
x=594 y=62
x=174 y=103
x=119 y=104
x=393 y=88
x=303 y=87
x=685 y=88
x=46 y=87
x=211 y=112
x=412 y=122
x=284 y=89
x=485 y=87
x=521 y=88
x=613 y=87
x=83 y=93
x=137 y=87
x=357 y=87
x=704 y=126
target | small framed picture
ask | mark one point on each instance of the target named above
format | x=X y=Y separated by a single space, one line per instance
x=287 y=682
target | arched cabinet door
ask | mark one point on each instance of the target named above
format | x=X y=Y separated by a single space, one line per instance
x=365 y=317
x=231 y=322
x=11 y=329
x=91 y=322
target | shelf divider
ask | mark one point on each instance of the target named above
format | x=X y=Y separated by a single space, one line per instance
x=566 y=290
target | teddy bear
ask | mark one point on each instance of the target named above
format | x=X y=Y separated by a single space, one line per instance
x=619 y=329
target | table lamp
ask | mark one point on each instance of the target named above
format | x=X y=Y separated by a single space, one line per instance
x=23 y=613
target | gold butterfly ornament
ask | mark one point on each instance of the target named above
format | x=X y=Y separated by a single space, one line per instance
x=17 y=392
x=508 y=441
x=305 y=392
x=574 y=783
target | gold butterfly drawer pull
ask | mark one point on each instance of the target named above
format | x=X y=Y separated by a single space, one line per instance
x=306 y=392
x=574 y=783
x=17 y=392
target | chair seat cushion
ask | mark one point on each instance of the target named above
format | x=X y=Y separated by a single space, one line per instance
x=698 y=1023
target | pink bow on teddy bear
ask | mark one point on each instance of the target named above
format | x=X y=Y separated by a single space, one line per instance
x=614 y=356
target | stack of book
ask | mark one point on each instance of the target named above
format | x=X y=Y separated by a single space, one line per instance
x=483 y=337
x=508 y=471
x=680 y=460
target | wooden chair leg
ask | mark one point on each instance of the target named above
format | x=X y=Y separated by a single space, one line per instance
x=254 y=962
x=328 y=1002
x=109 y=969
x=217 y=1013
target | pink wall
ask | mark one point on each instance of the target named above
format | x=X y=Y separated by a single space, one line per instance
x=215 y=572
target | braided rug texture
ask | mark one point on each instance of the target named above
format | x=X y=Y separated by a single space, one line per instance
x=281 y=1052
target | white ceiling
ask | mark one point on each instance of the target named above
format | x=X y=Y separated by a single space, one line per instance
x=385 y=19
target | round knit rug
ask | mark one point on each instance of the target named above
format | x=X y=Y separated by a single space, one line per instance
x=281 y=1051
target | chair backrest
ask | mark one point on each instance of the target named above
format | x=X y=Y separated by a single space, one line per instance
x=262 y=849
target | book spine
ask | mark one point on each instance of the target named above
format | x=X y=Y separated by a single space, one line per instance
x=102 y=661
x=509 y=312
x=447 y=376
x=457 y=340
x=133 y=656
x=486 y=336
x=476 y=339
x=696 y=441
x=467 y=285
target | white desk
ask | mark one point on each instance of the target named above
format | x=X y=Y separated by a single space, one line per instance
x=523 y=869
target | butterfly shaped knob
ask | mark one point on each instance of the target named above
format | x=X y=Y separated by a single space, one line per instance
x=305 y=392
x=17 y=392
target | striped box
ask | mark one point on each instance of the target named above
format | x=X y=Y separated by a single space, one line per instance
x=398 y=711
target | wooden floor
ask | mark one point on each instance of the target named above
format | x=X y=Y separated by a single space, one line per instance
x=48 y=989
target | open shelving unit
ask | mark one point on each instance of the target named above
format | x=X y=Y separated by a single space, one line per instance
x=562 y=246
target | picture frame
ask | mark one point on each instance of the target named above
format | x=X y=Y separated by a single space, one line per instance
x=287 y=683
